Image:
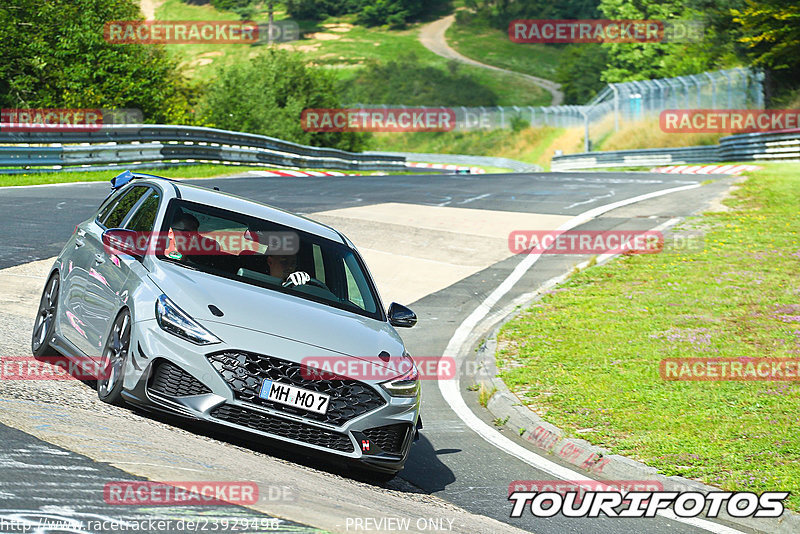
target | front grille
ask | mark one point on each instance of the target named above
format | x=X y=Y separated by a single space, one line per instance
x=169 y=379
x=389 y=438
x=282 y=427
x=245 y=372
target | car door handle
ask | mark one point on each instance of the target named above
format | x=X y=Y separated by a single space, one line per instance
x=99 y=258
x=79 y=243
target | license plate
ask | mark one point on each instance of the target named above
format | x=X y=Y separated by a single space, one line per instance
x=294 y=396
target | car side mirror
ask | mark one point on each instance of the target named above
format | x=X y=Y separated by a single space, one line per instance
x=121 y=241
x=401 y=316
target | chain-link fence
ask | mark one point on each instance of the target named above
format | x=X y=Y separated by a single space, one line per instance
x=623 y=102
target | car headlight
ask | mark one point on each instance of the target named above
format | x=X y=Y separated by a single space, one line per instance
x=174 y=320
x=406 y=385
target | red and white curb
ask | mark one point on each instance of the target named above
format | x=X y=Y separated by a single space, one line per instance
x=287 y=172
x=706 y=169
x=472 y=170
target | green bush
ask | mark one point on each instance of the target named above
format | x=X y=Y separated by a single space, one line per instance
x=54 y=55
x=268 y=95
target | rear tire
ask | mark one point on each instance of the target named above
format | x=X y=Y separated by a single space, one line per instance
x=114 y=359
x=45 y=324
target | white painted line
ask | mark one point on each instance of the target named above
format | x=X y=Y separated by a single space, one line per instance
x=593 y=199
x=472 y=199
x=450 y=388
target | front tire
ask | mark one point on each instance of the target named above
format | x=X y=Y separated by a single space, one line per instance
x=114 y=359
x=45 y=323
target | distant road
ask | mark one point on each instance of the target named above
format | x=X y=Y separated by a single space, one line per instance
x=432 y=36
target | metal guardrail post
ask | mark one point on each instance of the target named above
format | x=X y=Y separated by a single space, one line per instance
x=730 y=88
x=616 y=105
x=713 y=90
x=759 y=76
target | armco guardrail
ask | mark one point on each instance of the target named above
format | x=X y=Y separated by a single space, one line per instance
x=174 y=144
x=778 y=145
x=462 y=159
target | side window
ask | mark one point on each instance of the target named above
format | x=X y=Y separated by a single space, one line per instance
x=319 y=264
x=110 y=203
x=145 y=217
x=118 y=213
x=356 y=284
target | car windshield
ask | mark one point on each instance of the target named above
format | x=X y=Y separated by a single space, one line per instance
x=262 y=253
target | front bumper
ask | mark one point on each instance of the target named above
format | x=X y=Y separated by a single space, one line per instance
x=170 y=375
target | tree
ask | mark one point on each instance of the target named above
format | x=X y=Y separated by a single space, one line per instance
x=268 y=95
x=579 y=71
x=55 y=56
x=395 y=13
x=771 y=31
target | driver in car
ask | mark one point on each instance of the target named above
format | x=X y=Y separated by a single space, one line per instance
x=283 y=266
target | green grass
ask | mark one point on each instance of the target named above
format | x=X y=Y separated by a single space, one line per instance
x=188 y=171
x=493 y=47
x=201 y=61
x=527 y=145
x=587 y=355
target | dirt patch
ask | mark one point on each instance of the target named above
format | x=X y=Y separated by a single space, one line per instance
x=319 y=36
x=149 y=8
x=341 y=27
x=716 y=203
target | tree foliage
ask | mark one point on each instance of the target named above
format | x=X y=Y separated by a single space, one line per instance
x=498 y=13
x=771 y=32
x=268 y=95
x=395 y=13
x=579 y=72
x=54 y=56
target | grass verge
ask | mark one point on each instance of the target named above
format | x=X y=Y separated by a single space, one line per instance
x=531 y=145
x=587 y=355
x=480 y=42
x=187 y=171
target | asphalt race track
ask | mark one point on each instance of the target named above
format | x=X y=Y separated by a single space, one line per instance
x=450 y=462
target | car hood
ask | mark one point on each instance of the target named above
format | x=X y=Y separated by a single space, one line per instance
x=274 y=313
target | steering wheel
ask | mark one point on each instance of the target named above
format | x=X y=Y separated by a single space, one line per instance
x=318 y=283
x=312 y=282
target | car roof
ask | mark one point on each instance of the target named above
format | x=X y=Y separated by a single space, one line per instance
x=227 y=201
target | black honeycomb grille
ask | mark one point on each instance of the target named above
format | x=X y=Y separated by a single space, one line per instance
x=245 y=372
x=282 y=427
x=389 y=438
x=169 y=379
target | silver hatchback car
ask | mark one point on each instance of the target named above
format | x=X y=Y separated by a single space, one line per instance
x=221 y=309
